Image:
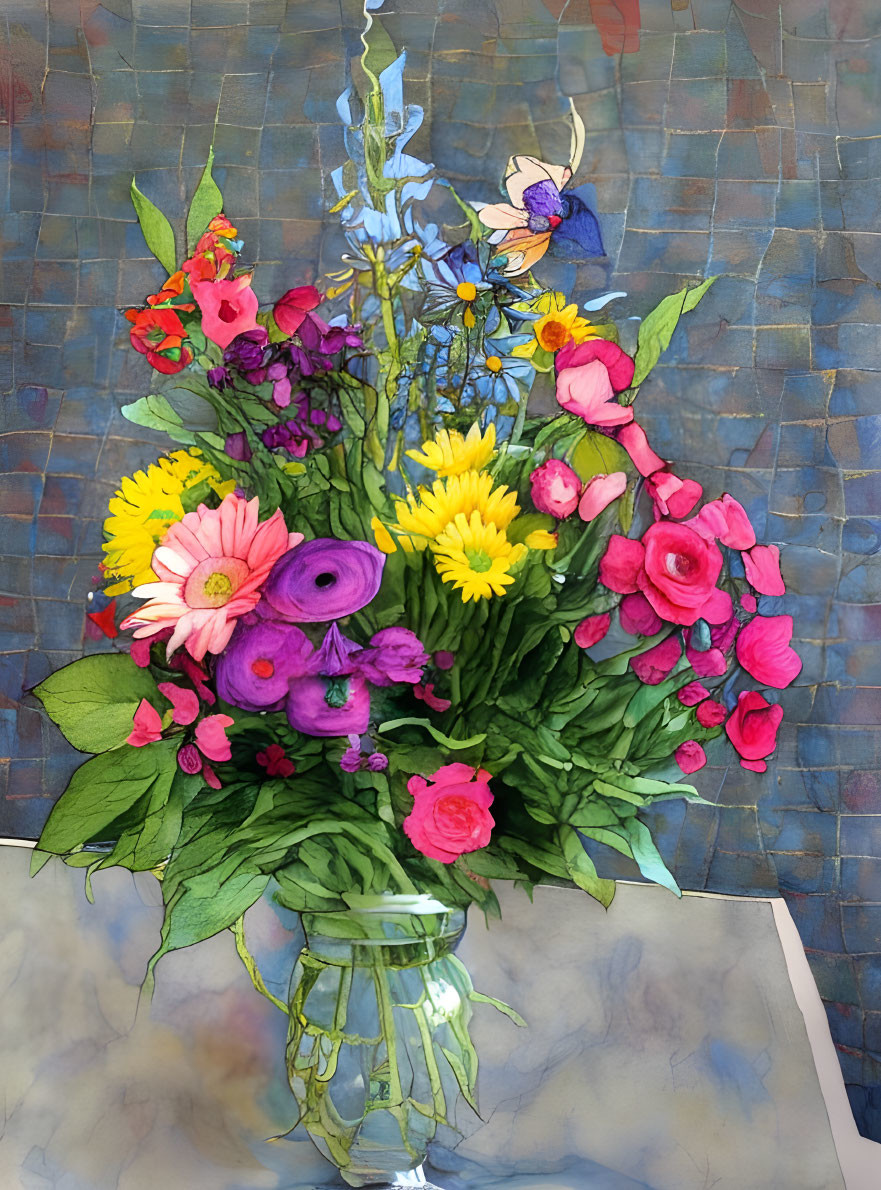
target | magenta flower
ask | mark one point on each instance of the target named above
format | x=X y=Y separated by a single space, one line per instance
x=762 y=564
x=634 y=440
x=674 y=567
x=690 y=756
x=395 y=655
x=657 y=663
x=589 y=375
x=450 y=814
x=189 y=760
x=443 y=659
x=147 y=725
x=692 y=694
x=752 y=729
x=599 y=494
x=592 y=630
x=324 y=579
x=672 y=496
x=228 y=307
x=377 y=762
x=555 y=489
x=711 y=714
x=764 y=650
x=323 y=706
x=725 y=519
x=262 y=658
x=427 y=695
x=294 y=308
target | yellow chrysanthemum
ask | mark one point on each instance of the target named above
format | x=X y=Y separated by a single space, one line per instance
x=476 y=557
x=429 y=512
x=142 y=510
x=451 y=454
x=560 y=324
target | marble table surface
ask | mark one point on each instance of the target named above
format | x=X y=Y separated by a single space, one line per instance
x=665 y=1049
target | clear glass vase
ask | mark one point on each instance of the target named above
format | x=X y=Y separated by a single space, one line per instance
x=378 y=1047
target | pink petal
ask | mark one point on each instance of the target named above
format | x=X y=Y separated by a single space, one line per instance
x=621 y=564
x=763 y=649
x=690 y=756
x=592 y=630
x=147 y=725
x=709 y=664
x=693 y=693
x=757 y=766
x=600 y=493
x=711 y=714
x=748 y=602
x=656 y=663
x=211 y=737
x=633 y=439
x=587 y=392
x=762 y=565
x=719 y=607
x=185 y=702
x=638 y=617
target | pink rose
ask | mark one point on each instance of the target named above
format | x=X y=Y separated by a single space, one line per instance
x=592 y=630
x=763 y=649
x=711 y=714
x=555 y=489
x=600 y=493
x=655 y=663
x=679 y=572
x=726 y=520
x=228 y=307
x=762 y=564
x=752 y=729
x=690 y=756
x=638 y=617
x=588 y=377
x=450 y=814
x=672 y=496
x=693 y=693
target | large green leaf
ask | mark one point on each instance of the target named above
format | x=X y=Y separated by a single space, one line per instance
x=93 y=700
x=104 y=788
x=581 y=869
x=206 y=203
x=157 y=230
x=595 y=454
x=156 y=413
x=657 y=330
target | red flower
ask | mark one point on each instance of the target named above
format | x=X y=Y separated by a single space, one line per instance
x=275 y=762
x=292 y=308
x=159 y=334
x=752 y=729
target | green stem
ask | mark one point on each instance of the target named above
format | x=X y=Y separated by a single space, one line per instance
x=238 y=929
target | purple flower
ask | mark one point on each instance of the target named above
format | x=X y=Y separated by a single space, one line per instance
x=324 y=579
x=236 y=446
x=322 y=706
x=218 y=378
x=377 y=762
x=246 y=351
x=188 y=759
x=396 y=655
x=350 y=761
x=334 y=657
x=256 y=667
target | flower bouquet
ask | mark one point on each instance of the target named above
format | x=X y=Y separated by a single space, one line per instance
x=391 y=632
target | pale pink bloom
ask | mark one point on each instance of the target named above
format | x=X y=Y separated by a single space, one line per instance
x=633 y=438
x=211 y=566
x=587 y=391
x=600 y=493
x=211 y=737
x=228 y=307
x=656 y=663
x=762 y=565
x=185 y=702
x=690 y=756
x=764 y=650
x=147 y=725
x=592 y=630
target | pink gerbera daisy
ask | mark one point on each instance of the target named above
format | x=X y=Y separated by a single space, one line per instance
x=211 y=566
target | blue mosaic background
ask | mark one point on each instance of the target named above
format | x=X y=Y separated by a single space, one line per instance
x=721 y=139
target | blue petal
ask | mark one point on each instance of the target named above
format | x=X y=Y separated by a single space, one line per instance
x=578 y=236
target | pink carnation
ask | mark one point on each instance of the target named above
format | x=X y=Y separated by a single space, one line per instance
x=450 y=814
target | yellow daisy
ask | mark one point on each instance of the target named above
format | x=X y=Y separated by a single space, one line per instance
x=560 y=323
x=475 y=557
x=451 y=454
x=428 y=513
x=142 y=510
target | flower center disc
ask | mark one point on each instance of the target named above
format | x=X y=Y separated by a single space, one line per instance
x=214 y=582
x=679 y=565
x=479 y=561
x=553 y=335
x=466 y=291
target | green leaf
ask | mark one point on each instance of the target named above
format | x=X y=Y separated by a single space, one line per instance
x=581 y=868
x=102 y=789
x=480 y=998
x=157 y=230
x=93 y=700
x=156 y=413
x=206 y=203
x=446 y=740
x=657 y=330
x=595 y=454
x=647 y=855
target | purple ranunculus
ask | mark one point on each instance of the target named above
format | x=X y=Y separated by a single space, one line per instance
x=395 y=655
x=322 y=706
x=259 y=663
x=377 y=762
x=324 y=579
x=246 y=351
